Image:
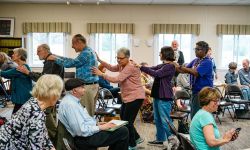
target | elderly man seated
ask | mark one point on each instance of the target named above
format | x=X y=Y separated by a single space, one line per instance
x=244 y=75
x=86 y=132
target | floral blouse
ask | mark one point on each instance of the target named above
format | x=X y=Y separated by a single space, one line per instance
x=26 y=129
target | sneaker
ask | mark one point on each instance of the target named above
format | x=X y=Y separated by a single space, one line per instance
x=139 y=141
x=155 y=143
x=173 y=142
x=132 y=148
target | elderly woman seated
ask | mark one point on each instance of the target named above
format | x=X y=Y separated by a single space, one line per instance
x=26 y=129
x=204 y=133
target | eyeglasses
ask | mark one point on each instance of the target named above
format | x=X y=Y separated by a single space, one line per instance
x=120 y=58
x=197 y=49
x=216 y=101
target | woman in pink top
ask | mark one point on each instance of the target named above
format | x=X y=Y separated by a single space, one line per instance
x=132 y=91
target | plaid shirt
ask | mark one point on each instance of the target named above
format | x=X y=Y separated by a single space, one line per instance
x=83 y=63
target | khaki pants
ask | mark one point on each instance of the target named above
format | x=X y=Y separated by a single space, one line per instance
x=89 y=98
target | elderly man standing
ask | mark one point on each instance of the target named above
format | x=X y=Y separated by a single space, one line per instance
x=83 y=64
x=50 y=67
x=200 y=70
x=179 y=58
x=244 y=75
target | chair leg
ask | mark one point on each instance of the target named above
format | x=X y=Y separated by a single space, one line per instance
x=234 y=108
x=217 y=116
x=230 y=113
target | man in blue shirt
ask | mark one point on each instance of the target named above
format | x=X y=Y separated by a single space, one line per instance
x=244 y=75
x=83 y=64
x=86 y=132
x=201 y=73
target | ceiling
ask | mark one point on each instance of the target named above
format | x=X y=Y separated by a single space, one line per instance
x=146 y=2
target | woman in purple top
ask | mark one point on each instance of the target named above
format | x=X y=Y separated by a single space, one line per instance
x=162 y=93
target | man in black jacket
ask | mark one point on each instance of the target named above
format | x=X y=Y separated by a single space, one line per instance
x=50 y=67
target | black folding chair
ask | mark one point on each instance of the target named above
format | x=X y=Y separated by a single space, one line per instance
x=233 y=94
x=223 y=106
x=185 y=143
x=4 y=92
x=102 y=105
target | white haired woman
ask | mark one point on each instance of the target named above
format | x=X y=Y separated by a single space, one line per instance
x=5 y=62
x=21 y=84
x=26 y=129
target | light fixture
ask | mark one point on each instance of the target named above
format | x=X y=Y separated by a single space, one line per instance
x=68 y=2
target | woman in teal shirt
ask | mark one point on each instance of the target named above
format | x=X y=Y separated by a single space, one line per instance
x=21 y=84
x=204 y=133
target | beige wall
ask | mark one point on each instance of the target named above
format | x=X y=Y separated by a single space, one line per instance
x=142 y=15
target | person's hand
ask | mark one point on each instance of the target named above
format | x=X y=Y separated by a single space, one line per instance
x=101 y=123
x=96 y=71
x=175 y=64
x=51 y=57
x=23 y=69
x=228 y=136
x=106 y=126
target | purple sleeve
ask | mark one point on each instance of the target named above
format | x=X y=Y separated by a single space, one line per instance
x=161 y=72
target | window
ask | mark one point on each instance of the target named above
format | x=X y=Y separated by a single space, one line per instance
x=234 y=48
x=56 y=42
x=106 y=44
x=185 y=45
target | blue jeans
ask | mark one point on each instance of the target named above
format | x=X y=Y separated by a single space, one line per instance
x=195 y=104
x=162 y=111
x=246 y=92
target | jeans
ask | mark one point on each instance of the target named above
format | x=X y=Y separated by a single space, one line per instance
x=246 y=92
x=195 y=104
x=162 y=111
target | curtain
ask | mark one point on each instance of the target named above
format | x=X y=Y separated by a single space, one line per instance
x=233 y=29
x=46 y=27
x=176 y=29
x=111 y=28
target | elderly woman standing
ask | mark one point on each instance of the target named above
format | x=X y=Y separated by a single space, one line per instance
x=26 y=129
x=204 y=133
x=162 y=93
x=132 y=91
x=21 y=84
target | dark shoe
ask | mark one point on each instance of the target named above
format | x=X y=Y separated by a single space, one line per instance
x=155 y=143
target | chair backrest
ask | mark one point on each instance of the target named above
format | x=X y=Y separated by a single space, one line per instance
x=182 y=94
x=233 y=90
x=66 y=144
x=5 y=89
x=185 y=143
x=104 y=95
x=69 y=75
x=62 y=133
